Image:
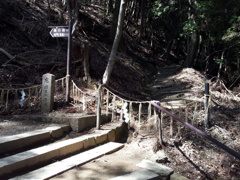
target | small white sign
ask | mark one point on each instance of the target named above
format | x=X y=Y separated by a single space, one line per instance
x=59 y=32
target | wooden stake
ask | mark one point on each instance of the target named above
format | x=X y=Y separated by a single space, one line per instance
x=130 y=112
x=84 y=103
x=107 y=102
x=121 y=113
x=149 y=110
x=206 y=106
x=171 y=126
x=7 y=99
x=160 y=125
x=186 y=114
x=139 y=112
x=99 y=107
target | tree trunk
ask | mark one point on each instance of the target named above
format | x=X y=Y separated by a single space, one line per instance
x=143 y=18
x=220 y=66
x=109 y=7
x=192 y=49
x=193 y=39
x=112 y=57
x=114 y=20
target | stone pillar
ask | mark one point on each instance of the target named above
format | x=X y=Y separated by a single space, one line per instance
x=48 y=85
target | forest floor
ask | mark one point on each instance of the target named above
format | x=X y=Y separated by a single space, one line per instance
x=138 y=74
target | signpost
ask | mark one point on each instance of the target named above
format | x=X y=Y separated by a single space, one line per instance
x=59 y=31
x=65 y=31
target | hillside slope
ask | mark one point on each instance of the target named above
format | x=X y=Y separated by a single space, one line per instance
x=28 y=51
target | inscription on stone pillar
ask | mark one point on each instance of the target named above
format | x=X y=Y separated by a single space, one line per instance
x=48 y=83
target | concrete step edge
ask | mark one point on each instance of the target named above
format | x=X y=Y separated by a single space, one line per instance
x=45 y=154
x=56 y=168
x=14 y=143
x=142 y=174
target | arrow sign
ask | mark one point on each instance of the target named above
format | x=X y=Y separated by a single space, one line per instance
x=59 y=32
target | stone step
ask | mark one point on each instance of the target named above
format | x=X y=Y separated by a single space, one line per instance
x=46 y=154
x=69 y=163
x=163 y=171
x=151 y=170
x=77 y=121
x=17 y=142
x=138 y=175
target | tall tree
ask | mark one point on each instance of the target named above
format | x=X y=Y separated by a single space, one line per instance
x=114 y=20
x=193 y=37
x=117 y=38
x=112 y=58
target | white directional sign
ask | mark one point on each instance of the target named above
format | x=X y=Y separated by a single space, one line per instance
x=59 y=32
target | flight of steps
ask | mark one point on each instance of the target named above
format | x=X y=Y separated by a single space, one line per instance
x=53 y=158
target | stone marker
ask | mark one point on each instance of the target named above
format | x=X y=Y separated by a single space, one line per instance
x=48 y=85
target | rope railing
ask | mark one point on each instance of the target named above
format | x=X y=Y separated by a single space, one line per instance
x=144 y=109
x=161 y=109
x=127 y=110
x=199 y=132
x=12 y=96
x=122 y=106
x=78 y=96
x=27 y=96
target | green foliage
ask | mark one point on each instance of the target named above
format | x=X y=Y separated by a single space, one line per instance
x=189 y=27
x=218 y=22
x=219 y=61
x=159 y=8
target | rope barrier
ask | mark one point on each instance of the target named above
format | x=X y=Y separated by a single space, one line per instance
x=77 y=93
x=32 y=93
x=199 y=132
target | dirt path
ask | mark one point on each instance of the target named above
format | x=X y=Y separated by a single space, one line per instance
x=10 y=125
x=118 y=163
x=174 y=82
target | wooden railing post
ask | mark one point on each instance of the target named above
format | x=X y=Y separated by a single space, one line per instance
x=160 y=124
x=206 y=105
x=99 y=108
